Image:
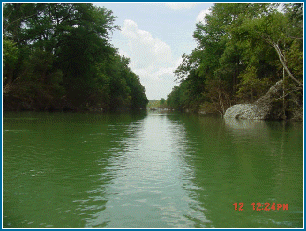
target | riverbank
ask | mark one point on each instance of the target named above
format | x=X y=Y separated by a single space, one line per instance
x=246 y=112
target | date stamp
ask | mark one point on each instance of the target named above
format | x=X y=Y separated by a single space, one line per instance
x=262 y=207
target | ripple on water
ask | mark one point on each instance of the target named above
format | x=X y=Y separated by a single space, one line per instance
x=161 y=171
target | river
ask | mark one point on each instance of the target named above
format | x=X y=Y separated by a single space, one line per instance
x=150 y=170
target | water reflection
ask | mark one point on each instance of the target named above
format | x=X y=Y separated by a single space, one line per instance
x=51 y=171
x=244 y=125
x=149 y=170
x=151 y=184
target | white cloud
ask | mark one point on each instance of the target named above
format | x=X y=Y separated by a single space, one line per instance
x=201 y=16
x=151 y=60
x=143 y=47
x=123 y=53
x=280 y=8
x=179 y=5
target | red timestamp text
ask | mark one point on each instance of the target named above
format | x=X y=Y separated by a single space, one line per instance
x=262 y=207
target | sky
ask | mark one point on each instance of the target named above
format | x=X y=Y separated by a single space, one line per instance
x=155 y=36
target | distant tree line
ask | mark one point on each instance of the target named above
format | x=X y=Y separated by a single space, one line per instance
x=58 y=56
x=242 y=50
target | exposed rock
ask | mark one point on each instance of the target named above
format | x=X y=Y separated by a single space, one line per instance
x=265 y=107
x=242 y=111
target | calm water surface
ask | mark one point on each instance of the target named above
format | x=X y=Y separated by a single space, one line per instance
x=149 y=170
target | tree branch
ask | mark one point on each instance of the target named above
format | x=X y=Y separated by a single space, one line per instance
x=283 y=61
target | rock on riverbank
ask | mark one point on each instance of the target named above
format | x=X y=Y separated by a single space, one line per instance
x=245 y=111
x=268 y=107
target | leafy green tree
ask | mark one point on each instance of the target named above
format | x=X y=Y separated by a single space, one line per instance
x=62 y=58
x=10 y=58
x=243 y=49
x=162 y=102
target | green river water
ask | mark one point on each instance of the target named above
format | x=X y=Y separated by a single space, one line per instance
x=150 y=170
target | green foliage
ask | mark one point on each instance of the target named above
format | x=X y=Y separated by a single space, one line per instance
x=295 y=59
x=10 y=58
x=243 y=49
x=217 y=98
x=250 y=86
x=163 y=102
x=39 y=86
x=174 y=99
x=153 y=104
x=58 y=56
x=10 y=53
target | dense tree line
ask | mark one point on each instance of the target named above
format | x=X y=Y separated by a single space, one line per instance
x=58 y=56
x=243 y=49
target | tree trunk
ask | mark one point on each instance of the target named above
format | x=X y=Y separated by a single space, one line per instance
x=283 y=61
x=8 y=82
x=284 y=109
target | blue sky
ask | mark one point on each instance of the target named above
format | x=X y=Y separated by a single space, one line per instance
x=155 y=36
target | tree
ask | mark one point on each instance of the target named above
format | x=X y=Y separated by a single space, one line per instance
x=242 y=50
x=10 y=58
x=63 y=49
